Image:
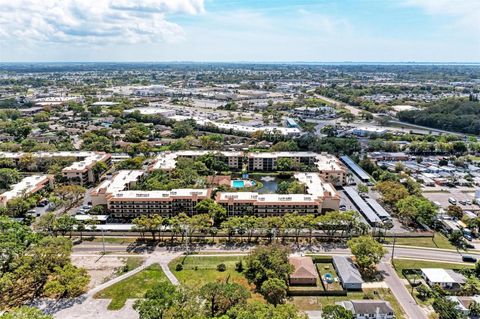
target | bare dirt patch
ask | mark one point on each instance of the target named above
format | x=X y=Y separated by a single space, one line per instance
x=100 y=268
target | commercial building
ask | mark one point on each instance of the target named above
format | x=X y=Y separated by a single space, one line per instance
x=27 y=186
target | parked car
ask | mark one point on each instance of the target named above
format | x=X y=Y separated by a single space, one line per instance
x=452 y=201
x=468 y=237
x=343 y=207
x=462 y=202
x=469 y=259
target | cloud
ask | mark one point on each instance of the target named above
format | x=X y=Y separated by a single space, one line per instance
x=466 y=12
x=94 y=21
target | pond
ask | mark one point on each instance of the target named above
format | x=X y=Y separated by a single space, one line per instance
x=270 y=183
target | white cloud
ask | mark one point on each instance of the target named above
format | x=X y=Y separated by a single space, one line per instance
x=466 y=12
x=94 y=21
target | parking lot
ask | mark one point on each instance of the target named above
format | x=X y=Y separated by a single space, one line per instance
x=442 y=199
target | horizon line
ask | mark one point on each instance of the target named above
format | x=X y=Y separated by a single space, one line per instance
x=250 y=62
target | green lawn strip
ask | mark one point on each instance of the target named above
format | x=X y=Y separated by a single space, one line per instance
x=132 y=262
x=400 y=264
x=317 y=303
x=114 y=240
x=198 y=271
x=132 y=287
x=440 y=241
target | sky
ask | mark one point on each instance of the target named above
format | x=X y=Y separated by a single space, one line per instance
x=240 y=30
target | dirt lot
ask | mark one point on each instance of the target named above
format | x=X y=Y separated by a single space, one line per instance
x=100 y=268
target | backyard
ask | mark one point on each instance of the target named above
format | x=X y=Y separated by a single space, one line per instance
x=200 y=270
x=317 y=303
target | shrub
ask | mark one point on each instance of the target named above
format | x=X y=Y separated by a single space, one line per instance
x=179 y=267
x=221 y=267
x=368 y=295
x=239 y=266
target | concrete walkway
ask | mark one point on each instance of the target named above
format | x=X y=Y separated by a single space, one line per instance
x=397 y=287
x=87 y=307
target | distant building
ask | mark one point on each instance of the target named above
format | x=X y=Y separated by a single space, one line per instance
x=27 y=186
x=368 y=131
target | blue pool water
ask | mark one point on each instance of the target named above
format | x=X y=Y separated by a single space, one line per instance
x=238 y=184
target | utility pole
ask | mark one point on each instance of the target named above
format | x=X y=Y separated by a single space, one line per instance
x=393 y=248
x=103 y=242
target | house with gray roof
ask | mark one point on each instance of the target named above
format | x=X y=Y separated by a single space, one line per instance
x=368 y=309
x=347 y=271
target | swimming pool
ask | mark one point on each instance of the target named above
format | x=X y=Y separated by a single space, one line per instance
x=238 y=183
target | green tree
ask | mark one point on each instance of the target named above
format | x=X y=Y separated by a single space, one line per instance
x=274 y=290
x=67 y=282
x=220 y=297
x=157 y=301
x=455 y=211
x=258 y=310
x=183 y=128
x=336 y=312
x=25 y=312
x=446 y=309
x=267 y=262
x=286 y=164
x=213 y=209
x=367 y=251
x=8 y=176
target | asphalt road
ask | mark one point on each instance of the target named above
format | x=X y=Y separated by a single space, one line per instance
x=400 y=251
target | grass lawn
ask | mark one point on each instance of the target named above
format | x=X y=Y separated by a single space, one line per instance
x=324 y=268
x=114 y=240
x=133 y=287
x=400 y=264
x=440 y=241
x=197 y=271
x=317 y=303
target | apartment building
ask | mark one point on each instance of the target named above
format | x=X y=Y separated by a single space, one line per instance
x=27 y=186
x=331 y=169
x=268 y=161
x=168 y=160
x=262 y=205
x=122 y=180
x=130 y=204
x=82 y=172
x=320 y=197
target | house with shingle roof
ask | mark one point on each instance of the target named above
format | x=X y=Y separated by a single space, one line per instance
x=304 y=271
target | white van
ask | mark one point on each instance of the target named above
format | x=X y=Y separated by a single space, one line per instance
x=452 y=201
